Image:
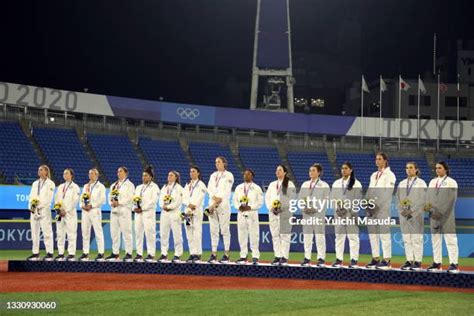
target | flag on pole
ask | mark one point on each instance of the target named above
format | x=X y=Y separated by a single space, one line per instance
x=443 y=88
x=365 y=87
x=422 y=86
x=404 y=85
x=383 y=85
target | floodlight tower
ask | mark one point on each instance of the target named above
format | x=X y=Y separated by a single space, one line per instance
x=272 y=57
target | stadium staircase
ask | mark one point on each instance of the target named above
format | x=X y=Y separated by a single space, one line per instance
x=283 y=153
x=26 y=128
x=234 y=149
x=92 y=157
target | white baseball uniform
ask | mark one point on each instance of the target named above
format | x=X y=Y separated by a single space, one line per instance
x=171 y=219
x=145 y=222
x=220 y=185
x=194 y=193
x=247 y=221
x=68 y=195
x=40 y=221
x=93 y=217
x=121 y=216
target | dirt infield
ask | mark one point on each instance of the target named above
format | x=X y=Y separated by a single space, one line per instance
x=57 y=282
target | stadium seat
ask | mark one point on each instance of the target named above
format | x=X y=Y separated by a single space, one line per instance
x=263 y=161
x=300 y=163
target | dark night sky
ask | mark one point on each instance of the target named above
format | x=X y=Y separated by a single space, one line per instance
x=185 y=50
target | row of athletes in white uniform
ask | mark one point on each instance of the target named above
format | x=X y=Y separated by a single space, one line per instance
x=191 y=197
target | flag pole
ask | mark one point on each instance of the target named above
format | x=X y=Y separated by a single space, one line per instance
x=437 y=118
x=418 y=114
x=457 y=115
x=361 y=113
x=380 y=114
x=399 y=111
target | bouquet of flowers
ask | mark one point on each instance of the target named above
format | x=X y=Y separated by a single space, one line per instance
x=57 y=208
x=406 y=206
x=167 y=199
x=136 y=201
x=34 y=206
x=86 y=198
x=187 y=217
x=244 y=201
x=428 y=208
x=276 y=207
x=115 y=195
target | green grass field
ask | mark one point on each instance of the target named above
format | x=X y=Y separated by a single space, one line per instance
x=264 y=256
x=256 y=302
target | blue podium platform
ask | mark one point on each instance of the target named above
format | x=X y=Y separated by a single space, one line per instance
x=394 y=276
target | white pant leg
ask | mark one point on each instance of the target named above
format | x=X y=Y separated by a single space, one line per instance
x=386 y=245
x=139 y=231
x=149 y=226
x=275 y=232
x=86 y=224
x=407 y=242
x=35 y=234
x=176 y=227
x=197 y=232
x=115 y=233
x=451 y=241
x=61 y=235
x=126 y=225
x=354 y=244
x=71 y=232
x=190 y=237
x=214 y=229
x=224 y=223
x=47 y=229
x=165 y=227
x=285 y=245
x=308 y=244
x=436 y=241
x=243 y=232
x=96 y=220
x=340 y=231
x=417 y=244
x=254 y=234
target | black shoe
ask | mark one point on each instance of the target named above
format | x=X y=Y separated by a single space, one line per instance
x=138 y=258
x=34 y=257
x=283 y=261
x=190 y=259
x=306 y=262
x=48 y=257
x=70 y=258
x=321 y=262
x=197 y=258
x=434 y=267
x=337 y=263
x=372 y=264
x=100 y=257
x=453 y=268
x=416 y=266
x=276 y=261
x=128 y=258
x=224 y=259
x=353 y=264
x=150 y=258
x=406 y=266
x=241 y=261
x=60 y=258
x=384 y=265
x=176 y=259
x=113 y=257
x=254 y=261
x=84 y=257
x=163 y=258
x=212 y=259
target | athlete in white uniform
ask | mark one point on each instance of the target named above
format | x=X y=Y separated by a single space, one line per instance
x=220 y=189
x=171 y=200
x=66 y=225
x=280 y=190
x=382 y=183
x=91 y=202
x=442 y=195
x=145 y=215
x=314 y=190
x=193 y=201
x=121 y=215
x=411 y=196
x=42 y=192
x=347 y=189
x=248 y=199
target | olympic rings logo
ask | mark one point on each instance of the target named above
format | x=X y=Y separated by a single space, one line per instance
x=398 y=239
x=188 y=113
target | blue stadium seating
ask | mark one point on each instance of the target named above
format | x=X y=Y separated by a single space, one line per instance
x=363 y=164
x=17 y=156
x=204 y=155
x=397 y=165
x=63 y=149
x=262 y=161
x=300 y=163
x=461 y=171
x=113 y=151
x=165 y=156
